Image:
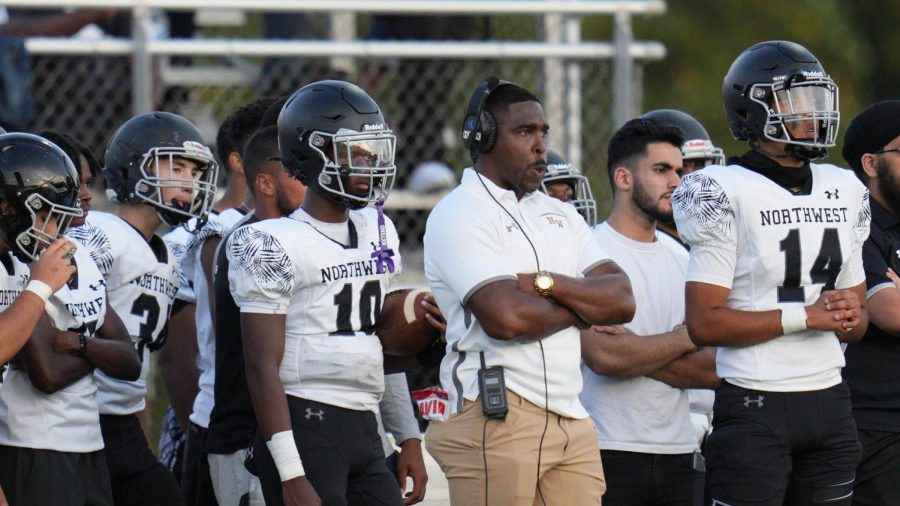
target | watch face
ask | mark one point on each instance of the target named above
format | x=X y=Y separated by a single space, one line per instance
x=544 y=282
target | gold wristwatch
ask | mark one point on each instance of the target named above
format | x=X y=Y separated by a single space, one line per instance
x=543 y=283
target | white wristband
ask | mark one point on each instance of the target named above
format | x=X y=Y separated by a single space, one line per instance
x=284 y=453
x=793 y=319
x=40 y=289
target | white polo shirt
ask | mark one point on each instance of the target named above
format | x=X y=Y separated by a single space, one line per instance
x=470 y=241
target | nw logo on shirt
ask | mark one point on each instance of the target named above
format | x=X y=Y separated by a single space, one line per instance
x=758 y=401
x=553 y=220
x=829 y=194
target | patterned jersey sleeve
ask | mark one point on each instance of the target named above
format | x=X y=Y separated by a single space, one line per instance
x=96 y=241
x=853 y=272
x=706 y=221
x=177 y=241
x=260 y=272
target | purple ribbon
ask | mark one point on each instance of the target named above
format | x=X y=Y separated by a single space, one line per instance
x=383 y=255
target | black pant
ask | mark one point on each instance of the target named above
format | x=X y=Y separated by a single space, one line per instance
x=31 y=476
x=341 y=453
x=649 y=479
x=878 y=473
x=137 y=477
x=196 y=482
x=782 y=448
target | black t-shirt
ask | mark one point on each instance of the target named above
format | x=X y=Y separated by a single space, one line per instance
x=873 y=364
x=232 y=423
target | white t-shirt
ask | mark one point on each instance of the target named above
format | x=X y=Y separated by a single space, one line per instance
x=66 y=420
x=774 y=249
x=470 y=242
x=331 y=294
x=141 y=288
x=643 y=414
x=218 y=225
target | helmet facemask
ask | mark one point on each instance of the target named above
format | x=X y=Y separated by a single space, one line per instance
x=582 y=197
x=33 y=239
x=801 y=112
x=203 y=187
x=347 y=156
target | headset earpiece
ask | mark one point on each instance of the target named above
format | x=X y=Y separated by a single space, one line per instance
x=480 y=128
x=488 y=131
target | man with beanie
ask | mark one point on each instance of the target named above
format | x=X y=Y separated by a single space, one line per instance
x=872 y=148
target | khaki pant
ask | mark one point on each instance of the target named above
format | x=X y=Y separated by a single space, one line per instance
x=571 y=473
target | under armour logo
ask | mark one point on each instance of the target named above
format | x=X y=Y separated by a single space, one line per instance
x=374 y=245
x=829 y=194
x=748 y=401
x=310 y=414
x=511 y=227
x=99 y=284
x=898 y=253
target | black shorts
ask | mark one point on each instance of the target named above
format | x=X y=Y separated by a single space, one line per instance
x=196 y=482
x=30 y=476
x=878 y=473
x=782 y=448
x=341 y=453
x=138 y=478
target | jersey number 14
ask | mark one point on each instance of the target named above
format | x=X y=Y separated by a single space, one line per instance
x=824 y=270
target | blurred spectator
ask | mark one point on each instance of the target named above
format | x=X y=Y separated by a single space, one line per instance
x=17 y=108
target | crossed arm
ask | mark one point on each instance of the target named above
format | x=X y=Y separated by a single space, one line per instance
x=51 y=366
x=669 y=357
x=513 y=310
x=711 y=323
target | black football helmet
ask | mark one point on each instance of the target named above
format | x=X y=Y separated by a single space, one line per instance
x=132 y=157
x=698 y=147
x=35 y=176
x=561 y=171
x=330 y=131
x=776 y=88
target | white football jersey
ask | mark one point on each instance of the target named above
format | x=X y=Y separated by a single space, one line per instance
x=13 y=276
x=141 y=287
x=219 y=225
x=774 y=249
x=66 y=420
x=331 y=294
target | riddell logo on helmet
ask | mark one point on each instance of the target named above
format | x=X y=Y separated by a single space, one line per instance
x=373 y=126
x=805 y=73
x=195 y=147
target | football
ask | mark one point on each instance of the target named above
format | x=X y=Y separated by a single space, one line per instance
x=402 y=327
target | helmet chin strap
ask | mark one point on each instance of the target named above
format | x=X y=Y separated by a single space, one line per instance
x=789 y=152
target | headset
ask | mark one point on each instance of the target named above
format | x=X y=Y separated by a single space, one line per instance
x=479 y=130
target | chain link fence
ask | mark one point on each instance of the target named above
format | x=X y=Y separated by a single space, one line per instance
x=424 y=101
